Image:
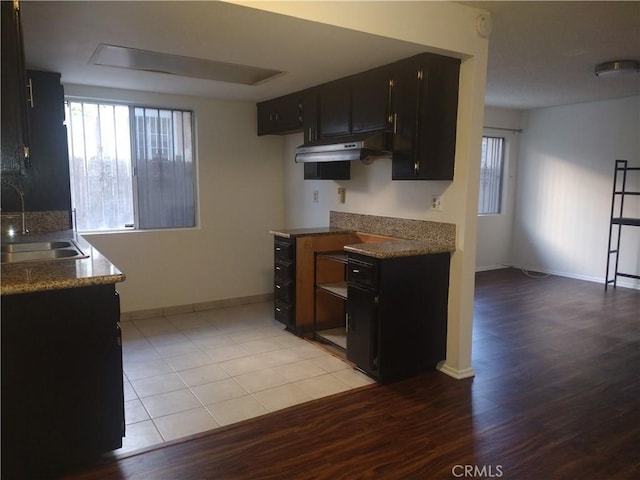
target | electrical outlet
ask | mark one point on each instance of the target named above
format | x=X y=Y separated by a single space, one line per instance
x=316 y=194
x=436 y=202
x=341 y=193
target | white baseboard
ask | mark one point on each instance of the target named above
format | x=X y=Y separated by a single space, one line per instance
x=454 y=372
x=195 y=307
x=587 y=278
x=491 y=267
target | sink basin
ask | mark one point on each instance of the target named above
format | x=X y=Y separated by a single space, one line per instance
x=40 y=252
x=33 y=246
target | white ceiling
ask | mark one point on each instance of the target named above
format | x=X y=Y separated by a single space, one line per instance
x=544 y=53
x=540 y=53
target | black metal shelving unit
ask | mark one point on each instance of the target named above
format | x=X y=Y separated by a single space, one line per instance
x=619 y=220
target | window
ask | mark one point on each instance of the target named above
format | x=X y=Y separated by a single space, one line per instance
x=491 y=173
x=130 y=166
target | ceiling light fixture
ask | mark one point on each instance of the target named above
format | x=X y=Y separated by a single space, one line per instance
x=150 y=61
x=617 y=68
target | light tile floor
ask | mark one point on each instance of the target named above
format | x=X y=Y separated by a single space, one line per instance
x=194 y=372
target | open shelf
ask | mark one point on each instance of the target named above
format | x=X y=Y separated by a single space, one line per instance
x=626 y=221
x=339 y=289
x=330 y=299
x=334 y=336
x=339 y=256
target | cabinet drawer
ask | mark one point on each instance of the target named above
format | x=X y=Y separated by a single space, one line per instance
x=284 y=250
x=284 y=270
x=284 y=290
x=362 y=273
x=283 y=313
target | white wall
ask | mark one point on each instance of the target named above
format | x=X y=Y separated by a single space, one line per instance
x=494 y=231
x=241 y=182
x=442 y=27
x=240 y=199
x=564 y=186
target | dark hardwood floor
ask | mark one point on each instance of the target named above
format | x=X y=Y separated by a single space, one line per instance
x=556 y=396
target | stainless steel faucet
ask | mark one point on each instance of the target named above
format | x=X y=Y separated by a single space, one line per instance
x=21 y=195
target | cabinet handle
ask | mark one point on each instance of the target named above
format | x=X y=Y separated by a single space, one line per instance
x=278 y=286
x=395 y=123
x=416 y=145
x=278 y=268
x=278 y=309
x=355 y=270
x=278 y=249
x=347 y=321
x=30 y=88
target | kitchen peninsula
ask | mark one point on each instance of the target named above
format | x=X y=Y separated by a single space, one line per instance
x=375 y=287
x=62 y=391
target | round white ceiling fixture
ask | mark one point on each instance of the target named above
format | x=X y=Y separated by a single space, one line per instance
x=617 y=68
x=484 y=25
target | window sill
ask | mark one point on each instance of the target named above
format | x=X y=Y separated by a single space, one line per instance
x=136 y=230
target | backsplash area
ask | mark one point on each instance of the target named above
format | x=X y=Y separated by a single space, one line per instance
x=419 y=230
x=35 y=222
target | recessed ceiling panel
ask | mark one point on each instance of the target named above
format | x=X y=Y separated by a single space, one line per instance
x=150 y=61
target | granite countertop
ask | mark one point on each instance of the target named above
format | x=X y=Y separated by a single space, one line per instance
x=397 y=248
x=29 y=277
x=403 y=237
x=300 y=232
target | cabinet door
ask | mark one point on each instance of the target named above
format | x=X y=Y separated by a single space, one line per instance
x=438 y=112
x=46 y=184
x=405 y=102
x=14 y=98
x=266 y=122
x=319 y=170
x=362 y=329
x=334 y=103
x=72 y=407
x=425 y=109
x=370 y=101
x=280 y=116
x=289 y=114
x=310 y=116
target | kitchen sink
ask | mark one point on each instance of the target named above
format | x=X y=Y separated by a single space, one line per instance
x=40 y=252
x=33 y=246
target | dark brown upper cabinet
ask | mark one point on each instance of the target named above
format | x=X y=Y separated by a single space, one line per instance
x=334 y=109
x=15 y=127
x=425 y=112
x=371 y=101
x=46 y=184
x=416 y=100
x=281 y=115
x=310 y=115
x=319 y=170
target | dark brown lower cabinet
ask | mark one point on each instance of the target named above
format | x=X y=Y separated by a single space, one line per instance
x=397 y=313
x=284 y=281
x=62 y=390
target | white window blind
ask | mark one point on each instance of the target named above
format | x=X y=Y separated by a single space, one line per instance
x=491 y=173
x=131 y=166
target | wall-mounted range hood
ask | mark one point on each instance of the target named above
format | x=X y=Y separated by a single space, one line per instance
x=363 y=147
